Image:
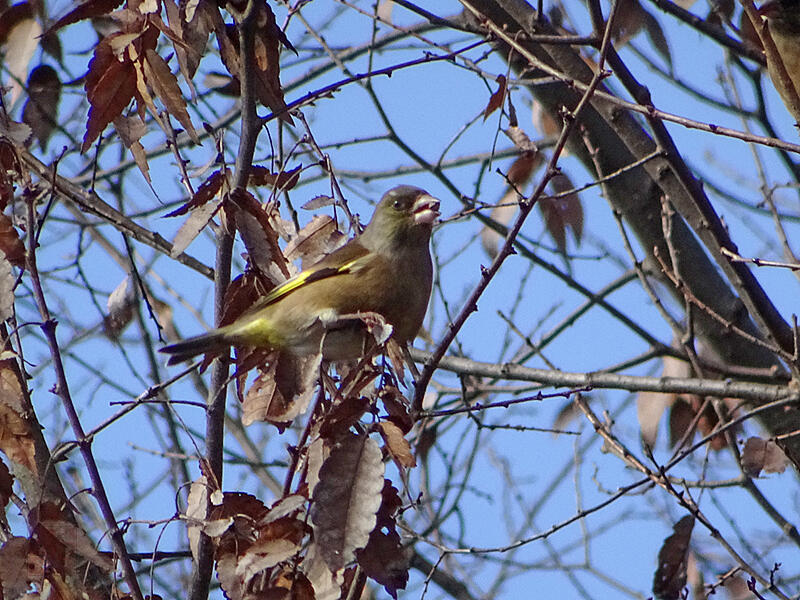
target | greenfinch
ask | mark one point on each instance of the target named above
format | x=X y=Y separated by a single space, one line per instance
x=386 y=270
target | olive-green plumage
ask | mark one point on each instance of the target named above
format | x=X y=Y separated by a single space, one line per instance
x=386 y=270
x=783 y=17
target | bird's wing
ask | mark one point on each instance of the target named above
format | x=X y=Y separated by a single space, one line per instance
x=344 y=260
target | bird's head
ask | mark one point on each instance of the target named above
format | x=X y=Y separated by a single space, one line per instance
x=404 y=217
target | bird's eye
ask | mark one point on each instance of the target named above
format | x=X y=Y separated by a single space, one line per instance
x=398 y=204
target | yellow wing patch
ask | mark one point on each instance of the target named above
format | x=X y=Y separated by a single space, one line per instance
x=306 y=277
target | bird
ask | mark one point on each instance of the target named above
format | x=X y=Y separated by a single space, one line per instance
x=783 y=18
x=387 y=270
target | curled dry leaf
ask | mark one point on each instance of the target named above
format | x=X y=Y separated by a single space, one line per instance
x=196 y=512
x=10 y=245
x=342 y=417
x=6 y=485
x=166 y=87
x=562 y=212
x=86 y=10
x=318 y=237
x=16 y=441
x=670 y=577
x=19 y=38
x=496 y=99
x=285 y=180
x=763 y=455
x=130 y=131
x=120 y=309
x=397 y=406
x=346 y=499
x=318 y=202
x=384 y=558
x=396 y=444
x=7 y=281
x=16 y=572
x=75 y=540
x=326 y=584
x=282 y=390
x=254 y=221
x=112 y=81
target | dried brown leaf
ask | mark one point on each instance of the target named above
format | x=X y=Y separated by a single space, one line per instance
x=397 y=445
x=166 y=87
x=87 y=10
x=6 y=485
x=318 y=237
x=255 y=224
x=74 y=540
x=130 y=131
x=16 y=441
x=562 y=213
x=346 y=499
x=282 y=390
x=342 y=417
x=10 y=244
x=16 y=570
x=670 y=576
x=285 y=180
x=318 y=202
x=496 y=99
x=397 y=406
x=207 y=190
x=120 y=307
x=19 y=34
x=384 y=560
x=762 y=455
x=262 y=555
x=110 y=86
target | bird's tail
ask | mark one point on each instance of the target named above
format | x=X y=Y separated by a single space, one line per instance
x=214 y=342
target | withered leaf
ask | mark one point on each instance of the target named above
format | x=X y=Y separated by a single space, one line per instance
x=502 y=213
x=650 y=406
x=342 y=416
x=763 y=455
x=282 y=390
x=131 y=130
x=166 y=87
x=397 y=445
x=262 y=555
x=87 y=10
x=75 y=540
x=255 y=225
x=110 y=85
x=670 y=576
x=6 y=484
x=10 y=245
x=19 y=33
x=496 y=99
x=346 y=499
x=207 y=190
x=384 y=560
x=562 y=213
x=396 y=406
x=318 y=202
x=285 y=180
x=16 y=441
x=120 y=307
x=15 y=568
x=40 y=112
x=318 y=237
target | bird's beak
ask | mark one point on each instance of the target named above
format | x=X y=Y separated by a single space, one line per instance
x=425 y=209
